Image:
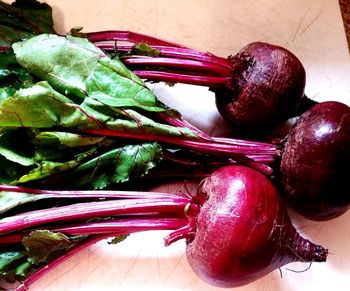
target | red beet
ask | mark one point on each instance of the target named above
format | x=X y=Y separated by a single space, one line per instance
x=315 y=164
x=243 y=230
x=256 y=89
x=266 y=89
x=236 y=228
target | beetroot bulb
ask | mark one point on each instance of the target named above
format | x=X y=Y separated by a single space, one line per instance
x=267 y=86
x=243 y=230
x=315 y=163
x=236 y=227
x=255 y=90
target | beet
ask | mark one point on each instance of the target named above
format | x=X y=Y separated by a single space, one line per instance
x=267 y=87
x=243 y=230
x=315 y=164
x=236 y=228
x=255 y=90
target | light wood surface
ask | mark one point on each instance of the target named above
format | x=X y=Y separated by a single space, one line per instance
x=313 y=30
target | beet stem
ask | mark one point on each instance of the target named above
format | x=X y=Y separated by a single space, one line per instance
x=89 y=210
x=191 y=79
x=205 y=68
x=85 y=193
x=200 y=145
x=128 y=36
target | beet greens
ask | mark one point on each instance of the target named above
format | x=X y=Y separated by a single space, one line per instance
x=107 y=125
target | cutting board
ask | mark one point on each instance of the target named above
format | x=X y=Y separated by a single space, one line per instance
x=312 y=30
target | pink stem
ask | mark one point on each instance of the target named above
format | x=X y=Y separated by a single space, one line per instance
x=200 y=80
x=106 y=230
x=178 y=121
x=125 y=225
x=200 y=145
x=173 y=52
x=204 y=68
x=89 y=210
x=236 y=152
x=128 y=36
x=85 y=193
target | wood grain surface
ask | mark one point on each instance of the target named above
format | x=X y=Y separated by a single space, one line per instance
x=313 y=30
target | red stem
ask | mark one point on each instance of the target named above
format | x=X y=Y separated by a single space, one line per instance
x=200 y=80
x=204 y=67
x=125 y=225
x=237 y=152
x=109 y=194
x=178 y=121
x=128 y=36
x=104 y=230
x=108 y=40
x=89 y=210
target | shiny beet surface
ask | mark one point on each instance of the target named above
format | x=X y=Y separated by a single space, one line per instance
x=315 y=165
x=243 y=230
x=267 y=86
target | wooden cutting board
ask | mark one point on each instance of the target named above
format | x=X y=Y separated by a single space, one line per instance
x=313 y=30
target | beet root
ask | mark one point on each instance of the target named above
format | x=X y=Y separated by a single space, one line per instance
x=243 y=230
x=315 y=163
x=267 y=86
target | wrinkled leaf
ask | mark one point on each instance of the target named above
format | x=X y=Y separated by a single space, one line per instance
x=43 y=245
x=23 y=19
x=14 y=146
x=48 y=168
x=74 y=66
x=68 y=139
x=12 y=75
x=38 y=248
x=117 y=165
x=40 y=106
x=10 y=171
x=118 y=239
x=10 y=200
x=143 y=49
x=11 y=264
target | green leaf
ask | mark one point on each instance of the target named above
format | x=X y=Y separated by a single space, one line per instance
x=117 y=165
x=10 y=171
x=143 y=49
x=111 y=83
x=46 y=168
x=23 y=19
x=118 y=239
x=12 y=75
x=44 y=245
x=11 y=264
x=15 y=146
x=10 y=200
x=68 y=139
x=40 y=106
x=74 y=66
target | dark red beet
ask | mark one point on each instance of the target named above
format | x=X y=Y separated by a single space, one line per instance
x=315 y=165
x=243 y=230
x=256 y=89
x=267 y=86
